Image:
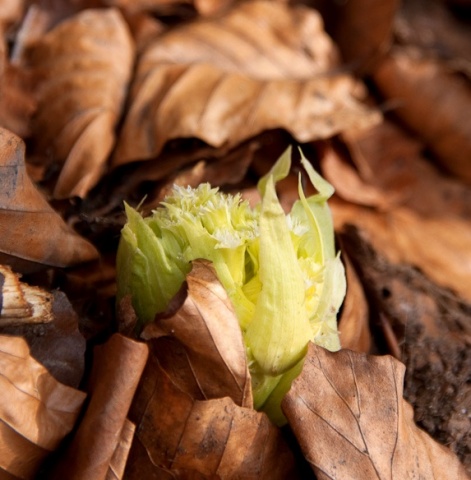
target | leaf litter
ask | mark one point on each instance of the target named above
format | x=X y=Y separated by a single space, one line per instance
x=213 y=87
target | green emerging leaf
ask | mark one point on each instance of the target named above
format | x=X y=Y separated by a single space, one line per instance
x=280 y=271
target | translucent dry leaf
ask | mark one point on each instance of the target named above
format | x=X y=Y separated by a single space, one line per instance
x=354 y=423
x=263 y=65
x=32 y=234
x=210 y=347
x=83 y=65
x=36 y=411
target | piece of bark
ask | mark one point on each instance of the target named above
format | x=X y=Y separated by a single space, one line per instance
x=432 y=329
x=347 y=412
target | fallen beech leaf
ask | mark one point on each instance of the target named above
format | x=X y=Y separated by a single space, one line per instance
x=16 y=99
x=362 y=29
x=207 y=328
x=432 y=336
x=120 y=455
x=37 y=412
x=84 y=63
x=32 y=234
x=103 y=433
x=178 y=437
x=349 y=185
x=391 y=160
x=433 y=102
x=169 y=7
x=230 y=78
x=354 y=423
x=440 y=247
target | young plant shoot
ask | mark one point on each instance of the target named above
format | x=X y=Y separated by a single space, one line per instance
x=281 y=272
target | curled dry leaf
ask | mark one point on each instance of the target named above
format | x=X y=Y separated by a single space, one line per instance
x=263 y=65
x=179 y=437
x=100 y=446
x=36 y=411
x=84 y=65
x=21 y=303
x=32 y=234
x=359 y=425
x=433 y=102
x=209 y=352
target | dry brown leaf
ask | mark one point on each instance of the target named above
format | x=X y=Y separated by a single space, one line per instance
x=355 y=424
x=57 y=345
x=84 y=64
x=432 y=27
x=349 y=185
x=433 y=102
x=102 y=438
x=430 y=331
x=37 y=412
x=120 y=455
x=362 y=29
x=353 y=323
x=169 y=7
x=32 y=234
x=392 y=161
x=208 y=350
x=440 y=247
x=16 y=100
x=178 y=437
x=262 y=66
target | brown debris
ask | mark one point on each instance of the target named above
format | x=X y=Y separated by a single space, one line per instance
x=32 y=234
x=37 y=412
x=433 y=333
x=359 y=425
